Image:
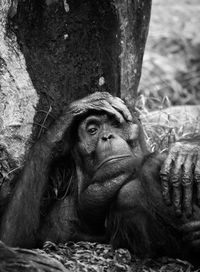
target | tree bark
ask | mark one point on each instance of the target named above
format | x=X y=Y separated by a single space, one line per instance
x=18 y=98
x=134 y=17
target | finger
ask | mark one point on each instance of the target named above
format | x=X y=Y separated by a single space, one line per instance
x=120 y=106
x=176 y=195
x=165 y=189
x=91 y=101
x=103 y=105
x=191 y=226
x=187 y=179
x=197 y=179
x=196 y=244
x=96 y=97
x=165 y=179
x=192 y=236
x=176 y=183
x=82 y=106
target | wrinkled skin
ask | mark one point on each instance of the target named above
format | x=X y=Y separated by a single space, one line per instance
x=181 y=173
x=105 y=161
x=180 y=180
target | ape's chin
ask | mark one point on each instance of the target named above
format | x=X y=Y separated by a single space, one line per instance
x=113 y=168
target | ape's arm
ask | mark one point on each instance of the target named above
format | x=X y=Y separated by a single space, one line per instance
x=94 y=201
x=21 y=221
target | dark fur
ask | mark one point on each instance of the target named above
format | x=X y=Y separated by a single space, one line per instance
x=140 y=220
x=143 y=223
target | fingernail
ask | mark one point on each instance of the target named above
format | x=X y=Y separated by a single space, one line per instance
x=130 y=118
x=188 y=214
x=168 y=202
x=178 y=213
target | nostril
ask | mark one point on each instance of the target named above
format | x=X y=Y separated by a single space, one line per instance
x=107 y=137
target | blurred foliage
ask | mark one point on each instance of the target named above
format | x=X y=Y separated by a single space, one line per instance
x=171 y=68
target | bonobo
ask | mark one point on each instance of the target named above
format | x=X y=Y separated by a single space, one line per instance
x=122 y=194
x=114 y=193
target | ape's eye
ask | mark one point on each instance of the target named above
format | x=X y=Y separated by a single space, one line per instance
x=92 y=129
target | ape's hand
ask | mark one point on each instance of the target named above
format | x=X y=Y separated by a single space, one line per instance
x=191 y=234
x=99 y=101
x=180 y=176
x=102 y=101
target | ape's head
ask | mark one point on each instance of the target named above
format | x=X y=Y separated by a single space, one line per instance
x=104 y=147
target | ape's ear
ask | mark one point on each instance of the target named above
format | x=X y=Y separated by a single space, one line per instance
x=136 y=133
x=133 y=131
x=130 y=103
x=143 y=141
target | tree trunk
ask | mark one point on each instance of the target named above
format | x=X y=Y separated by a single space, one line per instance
x=18 y=99
x=56 y=51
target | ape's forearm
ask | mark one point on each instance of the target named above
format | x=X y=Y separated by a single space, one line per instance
x=95 y=200
x=21 y=220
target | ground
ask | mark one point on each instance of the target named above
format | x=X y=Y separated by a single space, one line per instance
x=91 y=257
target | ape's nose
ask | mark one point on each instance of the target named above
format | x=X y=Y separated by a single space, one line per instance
x=107 y=136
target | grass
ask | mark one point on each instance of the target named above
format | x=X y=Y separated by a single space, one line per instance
x=171 y=67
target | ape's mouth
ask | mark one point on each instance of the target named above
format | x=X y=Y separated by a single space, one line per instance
x=112 y=159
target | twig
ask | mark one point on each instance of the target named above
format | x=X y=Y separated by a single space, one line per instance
x=44 y=121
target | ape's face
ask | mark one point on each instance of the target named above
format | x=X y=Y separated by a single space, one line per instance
x=105 y=146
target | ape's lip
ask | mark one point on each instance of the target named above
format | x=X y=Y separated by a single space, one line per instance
x=112 y=158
